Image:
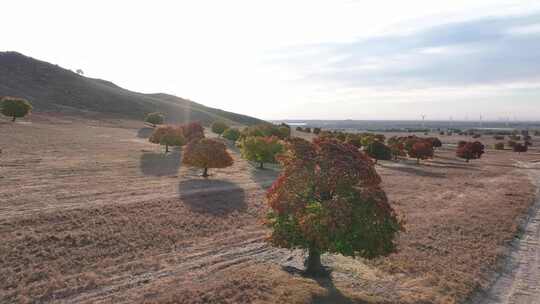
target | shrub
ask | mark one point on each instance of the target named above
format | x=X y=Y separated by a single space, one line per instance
x=299 y=129
x=307 y=129
x=378 y=150
x=206 y=153
x=461 y=143
x=398 y=150
x=328 y=198
x=316 y=131
x=284 y=132
x=231 y=134
x=219 y=127
x=470 y=150
x=167 y=136
x=354 y=139
x=528 y=143
x=511 y=143
x=435 y=142
x=154 y=118
x=421 y=150
x=498 y=137
x=192 y=131
x=260 y=149
x=476 y=136
x=515 y=137
x=14 y=107
x=499 y=146
x=518 y=147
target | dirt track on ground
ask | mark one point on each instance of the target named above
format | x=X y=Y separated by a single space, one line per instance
x=519 y=282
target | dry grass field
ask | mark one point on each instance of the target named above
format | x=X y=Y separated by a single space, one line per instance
x=91 y=212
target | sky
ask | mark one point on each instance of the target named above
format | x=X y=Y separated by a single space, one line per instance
x=302 y=59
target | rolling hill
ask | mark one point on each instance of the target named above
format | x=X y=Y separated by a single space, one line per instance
x=51 y=88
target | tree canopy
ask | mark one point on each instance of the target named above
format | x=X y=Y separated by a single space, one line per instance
x=207 y=153
x=154 y=118
x=470 y=150
x=328 y=199
x=219 y=127
x=231 y=134
x=14 y=107
x=261 y=149
x=167 y=136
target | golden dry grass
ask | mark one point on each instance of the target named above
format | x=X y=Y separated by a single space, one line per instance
x=90 y=212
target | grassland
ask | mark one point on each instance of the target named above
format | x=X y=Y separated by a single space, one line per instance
x=90 y=212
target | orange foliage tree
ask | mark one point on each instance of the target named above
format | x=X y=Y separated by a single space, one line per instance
x=328 y=199
x=167 y=136
x=206 y=153
x=192 y=131
x=421 y=149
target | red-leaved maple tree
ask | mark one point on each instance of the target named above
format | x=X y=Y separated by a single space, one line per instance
x=470 y=150
x=328 y=199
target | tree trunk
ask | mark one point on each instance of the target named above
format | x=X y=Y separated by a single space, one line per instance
x=166 y=148
x=376 y=160
x=467 y=160
x=14 y=117
x=418 y=161
x=261 y=165
x=205 y=172
x=313 y=262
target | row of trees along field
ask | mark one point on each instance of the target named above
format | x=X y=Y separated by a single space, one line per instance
x=14 y=107
x=327 y=197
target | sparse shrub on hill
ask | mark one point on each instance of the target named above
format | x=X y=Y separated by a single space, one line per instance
x=307 y=129
x=260 y=149
x=154 y=119
x=299 y=129
x=470 y=150
x=515 y=137
x=511 y=143
x=378 y=150
x=167 y=136
x=461 y=143
x=328 y=199
x=421 y=150
x=192 y=131
x=206 y=153
x=219 y=127
x=316 y=131
x=498 y=137
x=14 y=107
x=499 y=146
x=231 y=134
x=519 y=147
x=476 y=136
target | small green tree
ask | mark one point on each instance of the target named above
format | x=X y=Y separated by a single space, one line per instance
x=154 y=119
x=378 y=150
x=260 y=149
x=167 y=136
x=231 y=134
x=207 y=153
x=15 y=107
x=219 y=127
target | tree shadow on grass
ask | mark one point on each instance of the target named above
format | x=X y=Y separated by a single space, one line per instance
x=264 y=177
x=160 y=164
x=215 y=197
x=415 y=170
x=145 y=132
x=334 y=295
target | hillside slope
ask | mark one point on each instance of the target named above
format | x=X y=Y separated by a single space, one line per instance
x=51 y=88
